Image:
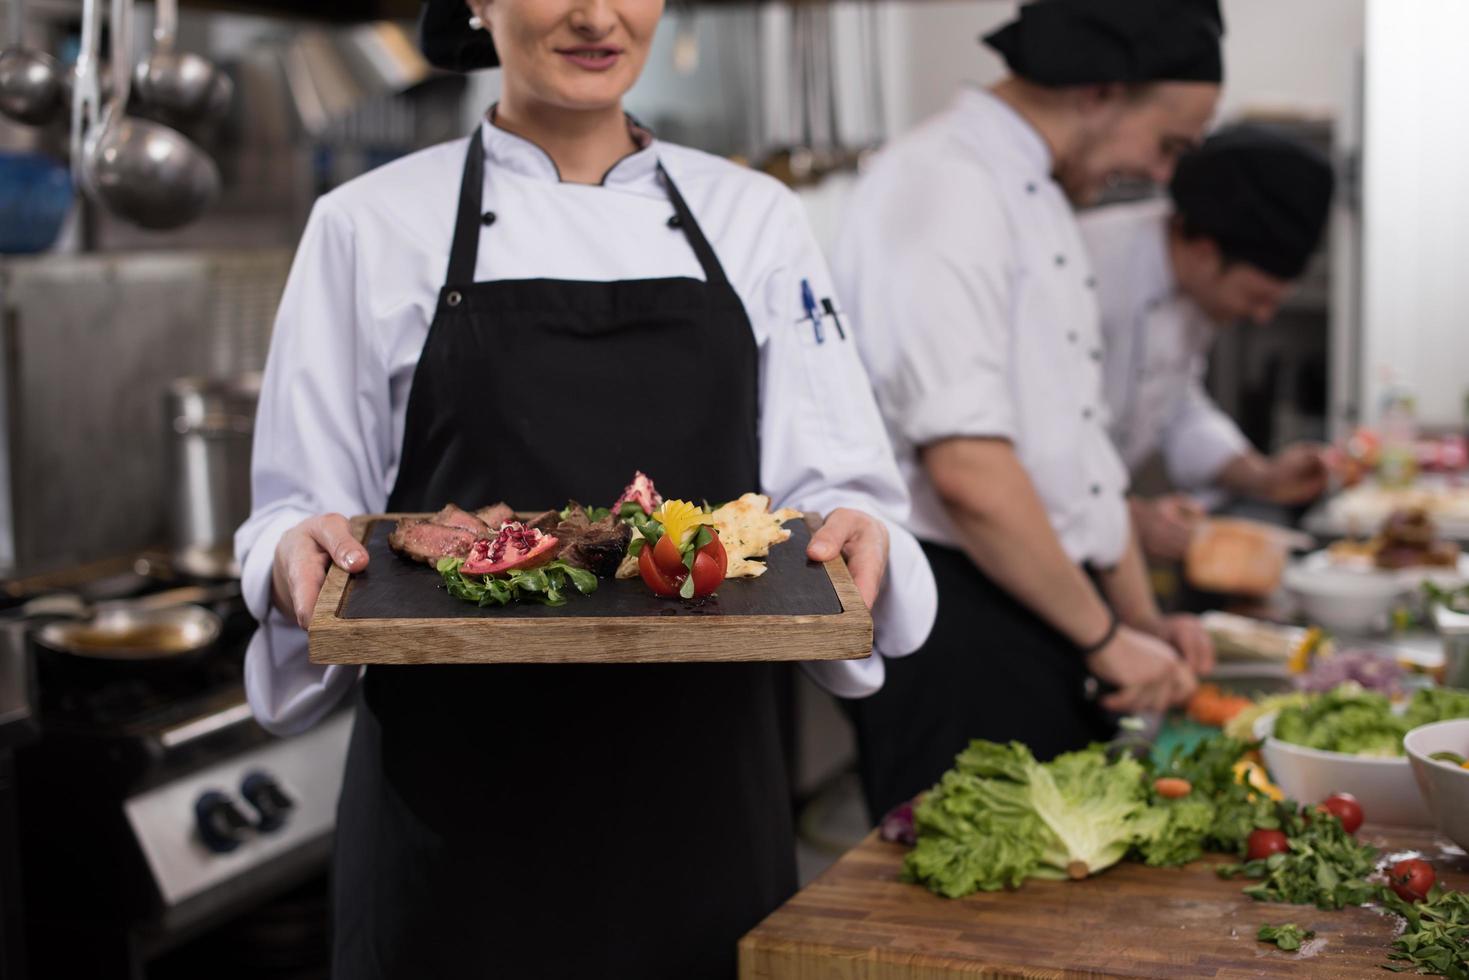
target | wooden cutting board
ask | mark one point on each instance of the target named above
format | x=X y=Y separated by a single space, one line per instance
x=398 y=612
x=859 y=922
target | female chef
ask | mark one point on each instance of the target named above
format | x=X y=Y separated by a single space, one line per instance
x=529 y=315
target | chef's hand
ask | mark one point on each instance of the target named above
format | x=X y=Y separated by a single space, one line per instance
x=1297 y=474
x=861 y=539
x=1149 y=674
x=302 y=558
x=1166 y=524
x=1187 y=635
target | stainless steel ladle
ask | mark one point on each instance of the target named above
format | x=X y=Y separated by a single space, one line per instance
x=183 y=87
x=142 y=171
x=31 y=82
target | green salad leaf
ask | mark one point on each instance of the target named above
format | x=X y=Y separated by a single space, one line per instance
x=549 y=584
x=999 y=817
x=1289 y=936
x=1352 y=720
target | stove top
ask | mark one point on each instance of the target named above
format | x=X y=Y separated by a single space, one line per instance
x=150 y=700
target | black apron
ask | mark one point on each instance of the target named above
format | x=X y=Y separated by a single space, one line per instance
x=567 y=820
x=991 y=669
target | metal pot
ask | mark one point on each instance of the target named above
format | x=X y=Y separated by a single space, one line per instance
x=212 y=421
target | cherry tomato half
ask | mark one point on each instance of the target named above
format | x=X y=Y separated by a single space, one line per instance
x=653 y=577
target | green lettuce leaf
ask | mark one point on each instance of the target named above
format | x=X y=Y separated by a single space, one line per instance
x=999 y=817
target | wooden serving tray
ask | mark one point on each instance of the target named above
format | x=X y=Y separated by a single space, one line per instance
x=398 y=612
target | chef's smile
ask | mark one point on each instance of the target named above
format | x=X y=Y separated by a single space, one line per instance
x=591 y=57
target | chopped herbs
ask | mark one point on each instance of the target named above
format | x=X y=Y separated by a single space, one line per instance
x=1289 y=937
x=1436 y=940
x=1324 y=867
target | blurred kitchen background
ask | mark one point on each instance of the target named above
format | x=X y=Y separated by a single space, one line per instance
x=129 y=353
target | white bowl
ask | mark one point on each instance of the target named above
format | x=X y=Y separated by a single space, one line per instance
x=1343 y=599
x=1385 y=787
x=1445 y=787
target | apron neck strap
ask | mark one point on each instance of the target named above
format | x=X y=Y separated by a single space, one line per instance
x=464 y=253
x=713 y=271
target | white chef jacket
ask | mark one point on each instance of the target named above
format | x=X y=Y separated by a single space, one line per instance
x=356 y=311
x=974 y=304
x=1157 y=344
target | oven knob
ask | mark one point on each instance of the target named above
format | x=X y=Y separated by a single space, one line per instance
x=222 y=826
x=268 y=799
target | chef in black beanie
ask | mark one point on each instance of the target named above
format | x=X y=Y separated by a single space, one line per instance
x=1244 y=215
x=975 y=309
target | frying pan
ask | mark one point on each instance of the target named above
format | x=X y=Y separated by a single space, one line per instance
x=122 y=632
x=156 y=632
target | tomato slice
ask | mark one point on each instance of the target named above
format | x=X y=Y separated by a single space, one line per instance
x=653 y=576
x=667 y=557
x=707 y=573
x=715 y=549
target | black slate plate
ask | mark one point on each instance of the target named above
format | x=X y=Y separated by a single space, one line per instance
x=393 y=588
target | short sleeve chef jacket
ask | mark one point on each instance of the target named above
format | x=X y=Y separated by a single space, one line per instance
x=1157 y=347
x=356 y=312
x=975 y=308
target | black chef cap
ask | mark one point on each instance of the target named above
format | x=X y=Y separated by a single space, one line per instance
x=449 y=42
x=1095 y=42
x=1263 y=198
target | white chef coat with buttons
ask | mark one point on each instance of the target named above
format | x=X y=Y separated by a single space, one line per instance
x=356 y=311
x=974 y=306
x=1157 y=343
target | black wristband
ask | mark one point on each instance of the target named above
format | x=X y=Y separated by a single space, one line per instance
x=1107 y=637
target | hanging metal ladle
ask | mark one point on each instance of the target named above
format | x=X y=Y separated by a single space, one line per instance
x=181 y=86
x=142 y=171
x=32 y=87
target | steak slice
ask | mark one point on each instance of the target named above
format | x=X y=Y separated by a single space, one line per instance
x=545 y=521
x=453 y=515
x=427 y=542
x=597 y=547
x=495 y=515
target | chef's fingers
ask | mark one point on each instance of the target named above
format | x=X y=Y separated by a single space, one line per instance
x=1188 y=510
x=332 y=532
x=1185 y=683
x=306 y=573
x=1193 y=642
x=862 y=540
x=1138 y=699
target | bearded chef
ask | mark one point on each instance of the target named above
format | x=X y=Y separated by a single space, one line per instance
x=529 y=314
x=1243 y=216
x=975 y=307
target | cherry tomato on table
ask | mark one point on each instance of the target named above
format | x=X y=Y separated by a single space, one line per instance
x=1264 y=843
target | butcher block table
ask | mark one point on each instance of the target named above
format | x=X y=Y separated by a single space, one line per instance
x=859 y=922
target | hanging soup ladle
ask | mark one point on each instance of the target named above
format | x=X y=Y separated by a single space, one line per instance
x=32 y=89
x=180 y=86
x=142 y=171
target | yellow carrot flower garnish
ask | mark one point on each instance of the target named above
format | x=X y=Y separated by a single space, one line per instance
x=680 y=520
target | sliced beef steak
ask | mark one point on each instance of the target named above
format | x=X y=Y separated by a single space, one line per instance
x=495 y=515
x=455 y=516
x=598 y=547
x=545 y=521
x=426 y=541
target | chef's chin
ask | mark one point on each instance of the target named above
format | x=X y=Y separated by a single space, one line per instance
x=570 y=87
